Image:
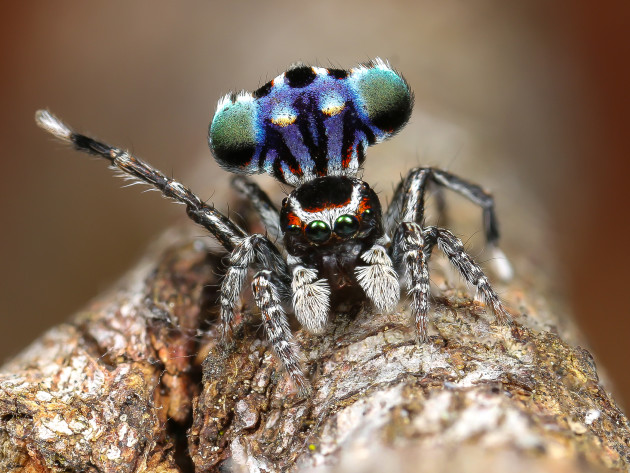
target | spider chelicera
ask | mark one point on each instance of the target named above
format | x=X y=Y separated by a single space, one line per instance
x=329 y=245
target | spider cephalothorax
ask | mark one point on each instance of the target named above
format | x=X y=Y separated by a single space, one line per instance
x=310 y=128
x=329 y=211
x=328 y=224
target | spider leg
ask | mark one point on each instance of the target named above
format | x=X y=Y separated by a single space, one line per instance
x=407 y=204
x=408 y=244
x=440 y=204
x=484 y=199
x=409 y=200
x=225 y=231
x=378 y=279
x=262 y=204
x=252 y=251
x=453 y=248
x=311 y=296
x=276 y=324
x=413 y=254
x=412 y=246
x=246 y=250
x=391 y=216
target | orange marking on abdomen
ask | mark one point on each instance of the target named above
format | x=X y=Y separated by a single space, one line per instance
x=345 y=162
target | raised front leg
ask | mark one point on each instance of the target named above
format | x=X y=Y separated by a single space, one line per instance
x=225 y=231
x=257 y=252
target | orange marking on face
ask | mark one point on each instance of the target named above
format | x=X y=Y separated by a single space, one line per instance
x=293 y=219
x=364 y=205
x=326 y=206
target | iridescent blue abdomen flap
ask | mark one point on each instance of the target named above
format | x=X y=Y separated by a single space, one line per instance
x=310 y=121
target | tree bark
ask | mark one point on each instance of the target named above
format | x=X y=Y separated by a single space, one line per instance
x=137 y=382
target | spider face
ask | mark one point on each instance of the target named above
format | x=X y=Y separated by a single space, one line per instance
x=328 y=211
x=310 y=127
x=329 y=222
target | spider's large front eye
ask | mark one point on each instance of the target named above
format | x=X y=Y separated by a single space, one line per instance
x=346 y=225
x=317 y=231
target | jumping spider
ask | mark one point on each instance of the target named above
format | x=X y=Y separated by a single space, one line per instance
x=330 y=242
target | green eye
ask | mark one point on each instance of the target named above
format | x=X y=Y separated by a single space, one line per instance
x=292 y=229
x=346 y=225
x=317 y=231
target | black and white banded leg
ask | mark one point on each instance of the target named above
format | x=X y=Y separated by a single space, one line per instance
x=454 y=250
x=247 y=251
x=268 y=299
x=413 y=244
x=262 y=204
x=226 y=232
x=408 y=206
x=253 y=251
x=410 y=254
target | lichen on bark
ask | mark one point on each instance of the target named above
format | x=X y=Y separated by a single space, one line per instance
x=138 y=382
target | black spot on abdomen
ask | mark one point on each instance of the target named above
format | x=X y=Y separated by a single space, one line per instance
x=263 y=91
x=300 y=76
x=338 y=73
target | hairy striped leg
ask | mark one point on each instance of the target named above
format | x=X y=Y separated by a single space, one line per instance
x=407 y=205
x=254 y=251
x=245 y=250
x=454 y=250
x=225 y=231
x=275 y=322
x=413 y=248
x=412 y=244
x=262 y=204
x=409 y=251
x=378 y=279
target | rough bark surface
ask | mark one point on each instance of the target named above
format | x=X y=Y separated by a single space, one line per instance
x=138 y=383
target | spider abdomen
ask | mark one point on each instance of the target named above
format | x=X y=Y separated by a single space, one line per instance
x=310 y=121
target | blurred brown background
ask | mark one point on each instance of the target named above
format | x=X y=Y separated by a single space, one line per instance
x=529 y=99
